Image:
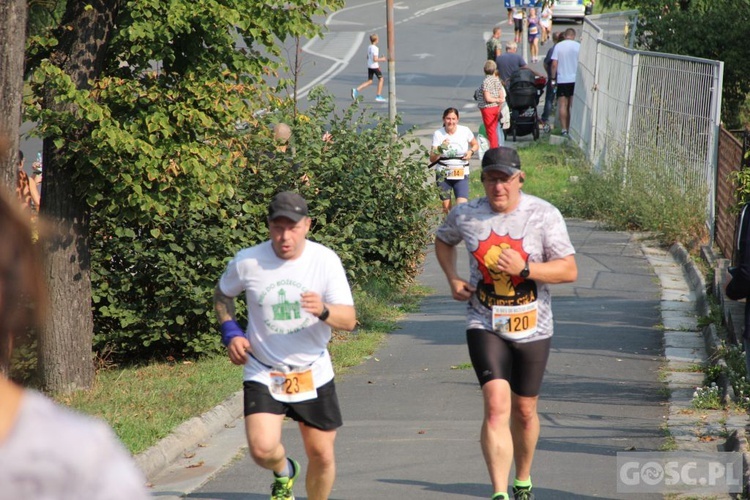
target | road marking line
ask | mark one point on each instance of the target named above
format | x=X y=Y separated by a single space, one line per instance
x=340 y=64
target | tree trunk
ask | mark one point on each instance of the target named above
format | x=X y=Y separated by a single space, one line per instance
x=65 y=353
x=13 y=35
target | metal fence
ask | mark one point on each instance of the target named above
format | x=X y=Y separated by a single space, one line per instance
x=647 y=108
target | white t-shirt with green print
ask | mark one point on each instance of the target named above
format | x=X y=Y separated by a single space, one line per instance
x=280 y=332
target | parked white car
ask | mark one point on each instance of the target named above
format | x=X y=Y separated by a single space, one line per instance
x=568 y=9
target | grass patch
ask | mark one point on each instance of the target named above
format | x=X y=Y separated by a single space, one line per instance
x=144 y=404
x=640 y=196
x=379 y=308
x=670 y=443
x=551 y=172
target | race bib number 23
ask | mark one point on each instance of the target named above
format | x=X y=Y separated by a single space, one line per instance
x=293 y=387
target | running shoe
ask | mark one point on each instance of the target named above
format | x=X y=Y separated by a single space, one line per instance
x=281 y=489
x=565 y=133
x=522 y=493
x=355 y=93
x=380 y=98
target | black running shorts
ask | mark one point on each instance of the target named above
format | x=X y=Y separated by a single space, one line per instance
x=322 y=412
x=522 y=364
x=373 y=72
x=565 y=89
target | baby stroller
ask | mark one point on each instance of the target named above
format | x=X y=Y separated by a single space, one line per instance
x=523 y=93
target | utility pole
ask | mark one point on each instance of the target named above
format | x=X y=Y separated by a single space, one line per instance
x=525 y=36
x=391 y=62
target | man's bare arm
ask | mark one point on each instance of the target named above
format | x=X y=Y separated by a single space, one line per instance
x=342 y=317
x=339 y=317
x=233 y=337
x=446 y=256
x=223 y=306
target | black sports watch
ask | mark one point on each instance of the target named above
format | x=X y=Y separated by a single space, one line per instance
x=525 y=271
x=324 y=315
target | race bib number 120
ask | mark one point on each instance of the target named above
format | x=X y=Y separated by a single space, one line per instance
x=515 y=322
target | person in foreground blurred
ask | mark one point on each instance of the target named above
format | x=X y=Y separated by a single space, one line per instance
x=47 y=451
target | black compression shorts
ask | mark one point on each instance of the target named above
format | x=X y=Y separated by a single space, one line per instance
x=522 y=364
x=460 y=187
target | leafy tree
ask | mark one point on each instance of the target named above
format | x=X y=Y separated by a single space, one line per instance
x=368 y=200
x=137 y=102
x=74 y=63
x=12 y=16
x=657 y=6
x=42 y=15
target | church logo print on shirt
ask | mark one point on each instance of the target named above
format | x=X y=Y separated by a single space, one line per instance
x=282 y=299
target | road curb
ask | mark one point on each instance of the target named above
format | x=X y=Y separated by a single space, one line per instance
x=736 y=440
x=188 y=436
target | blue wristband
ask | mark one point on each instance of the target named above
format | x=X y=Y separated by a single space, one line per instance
x=229 y=330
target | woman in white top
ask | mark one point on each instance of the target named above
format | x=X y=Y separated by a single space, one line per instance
x=545 y=21
x=517 y=23
x=453 y=145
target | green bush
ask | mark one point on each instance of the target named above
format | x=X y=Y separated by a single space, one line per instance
x=371 y=201
x=698 y=28
x=734 y=357
x=642 y=196
x=741 y=180
x=153 y=280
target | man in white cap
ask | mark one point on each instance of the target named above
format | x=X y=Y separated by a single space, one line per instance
x=518 y=245
x=296 y=292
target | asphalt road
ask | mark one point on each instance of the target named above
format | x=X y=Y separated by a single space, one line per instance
x=439 y=54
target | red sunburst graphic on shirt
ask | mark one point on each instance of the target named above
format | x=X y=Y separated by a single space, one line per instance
x=488 y=250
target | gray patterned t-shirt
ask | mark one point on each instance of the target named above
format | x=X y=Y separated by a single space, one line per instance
x=535 y=229
x=55 y=453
